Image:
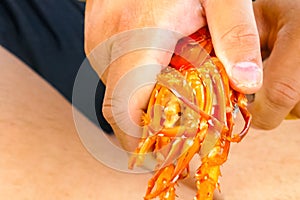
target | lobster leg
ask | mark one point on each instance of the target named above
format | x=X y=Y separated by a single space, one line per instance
x=139 y=155
x=159 y=180
x=208 y=173
x=207 y=180
x=188 y=154
x=167 y=185
x=242 y=103
x=190 y=109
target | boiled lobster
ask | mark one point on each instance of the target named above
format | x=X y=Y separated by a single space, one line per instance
x=191 y=111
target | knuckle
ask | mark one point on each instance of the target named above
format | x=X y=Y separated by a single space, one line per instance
x=108 y=113
x=278 y=100
x=240 y=35
x=283 y=94
x=116 y=113
x=265 y=124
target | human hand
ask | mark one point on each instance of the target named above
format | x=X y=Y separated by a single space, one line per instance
x=278 y=24
x=233 y=30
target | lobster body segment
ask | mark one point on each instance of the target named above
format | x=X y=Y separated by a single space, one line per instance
x=190 y=112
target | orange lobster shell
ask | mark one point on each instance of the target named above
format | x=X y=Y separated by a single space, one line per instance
x=191 y=111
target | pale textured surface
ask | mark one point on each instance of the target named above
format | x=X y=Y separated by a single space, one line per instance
x=265 y=165
x=43 y=158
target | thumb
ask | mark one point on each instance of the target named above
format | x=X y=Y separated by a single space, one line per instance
x=236 y=42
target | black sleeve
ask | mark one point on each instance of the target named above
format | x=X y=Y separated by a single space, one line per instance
x=48 y=36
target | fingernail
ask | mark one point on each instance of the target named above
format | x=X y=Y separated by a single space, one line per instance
x=250 y=98
x=246 y=75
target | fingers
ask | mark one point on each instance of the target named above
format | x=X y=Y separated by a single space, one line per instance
x=236 y=41
x=123 y=110
x=128 y=91
x=137 y=56
x=280 y=92
x=115 y=36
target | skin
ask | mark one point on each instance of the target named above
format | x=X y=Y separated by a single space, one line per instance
x=43 y=157
x=278 y=25
x=231 y=24
x=239 y=31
